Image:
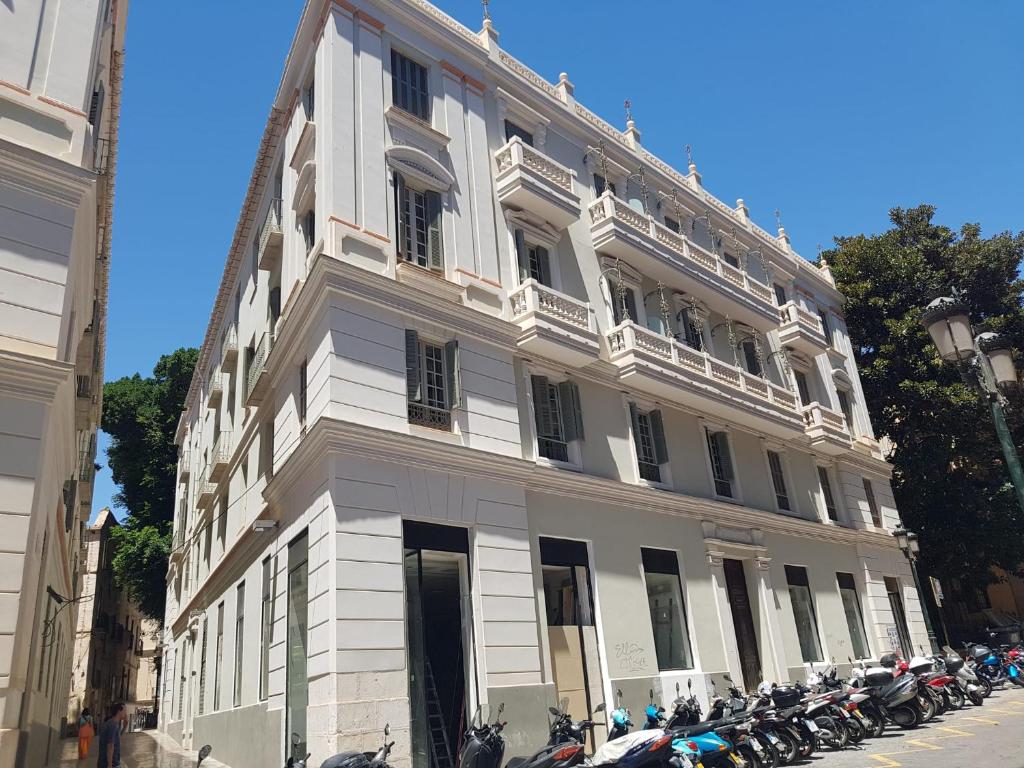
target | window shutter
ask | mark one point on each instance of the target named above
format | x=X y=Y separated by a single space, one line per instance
x=572 y=416
x=96 y=106
x=400 y=206
x=634 y=421
x=541 y=409
x=453 y=388
x=616 y=304
x=412 y=366
x=543 y=266
x=722 y=442
x=434 y=245
x=658 y=434
x=631 y=305
x=522 y=255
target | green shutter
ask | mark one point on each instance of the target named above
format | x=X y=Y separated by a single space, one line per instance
x=522 y=255
x=453 y=385
x=435 y=249
x=541 y=408
x=572 y=415
x=722 y=443
x=412 y=366
x=634 y=421
x=658 y=434
x=401 y=201
x=544 y=266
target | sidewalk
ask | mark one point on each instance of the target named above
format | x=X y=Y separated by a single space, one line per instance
x=141 y=749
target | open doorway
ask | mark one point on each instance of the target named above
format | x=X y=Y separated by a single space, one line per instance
x=743 y=622
x=439 y=628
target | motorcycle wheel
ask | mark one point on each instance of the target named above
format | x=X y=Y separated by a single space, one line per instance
x=807 y=744
x=769 y=754
x=832 y=734
x=977 y=697
x=928 y=708
x=905 y=716
x=874 y=723
x=787 y=748
x=956 y=697
x=1018 y=681
x=749 y=756
x=856 y=730
x=986 y=686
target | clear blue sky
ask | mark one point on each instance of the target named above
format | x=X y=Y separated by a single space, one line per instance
x=831 y=112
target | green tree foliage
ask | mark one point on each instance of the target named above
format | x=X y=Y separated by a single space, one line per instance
x=949 y=480
x=141 y=416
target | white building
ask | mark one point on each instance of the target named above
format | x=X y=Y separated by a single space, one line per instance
x=495 y=406
x=60 y=80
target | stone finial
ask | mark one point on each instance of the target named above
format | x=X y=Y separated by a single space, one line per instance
x=742 y=210
x=825 y=269
x=565 y=87
x=632 y=132
x=488 y=35
x=691 y=167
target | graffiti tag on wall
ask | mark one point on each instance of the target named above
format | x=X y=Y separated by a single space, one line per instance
x=631 y=657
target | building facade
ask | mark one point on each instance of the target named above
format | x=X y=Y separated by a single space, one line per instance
x=60 y=80
x=495 y=406
x=115 y=645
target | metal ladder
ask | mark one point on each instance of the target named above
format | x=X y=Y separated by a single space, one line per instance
x=440 y=751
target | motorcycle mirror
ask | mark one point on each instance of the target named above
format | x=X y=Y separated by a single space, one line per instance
x=554 y=712
x=564 y=704
x=689 y=684
x=677 y=687
x=501 y=709
x=650 y=692
x=618 y=696
x=387 y=729
x=204 y=752
x=600 y=707
x=296 y=739
x=728 y=677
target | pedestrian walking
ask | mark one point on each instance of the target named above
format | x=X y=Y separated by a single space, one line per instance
x=86 y=730
x=110 y=738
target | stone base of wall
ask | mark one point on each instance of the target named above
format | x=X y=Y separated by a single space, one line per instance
x=245 y=736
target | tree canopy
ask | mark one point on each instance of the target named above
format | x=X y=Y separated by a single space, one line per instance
x=949 y=479
x=141 y=416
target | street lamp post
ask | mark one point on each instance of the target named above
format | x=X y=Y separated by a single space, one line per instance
x=907 y=541
x=986 y=364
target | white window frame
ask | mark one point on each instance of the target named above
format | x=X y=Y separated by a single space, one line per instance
x=843 y=519
x=687 y=607
x=456 y=409
x=780 y=451
x=736 y=486
x=682 y=306
x=429 y=63
x=632 y=280
x=535 y=233
x=573 y=448
x=644 y=407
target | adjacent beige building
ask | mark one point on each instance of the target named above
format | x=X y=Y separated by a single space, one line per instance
x=60 y=84
x=115 y=645
x=497 y=406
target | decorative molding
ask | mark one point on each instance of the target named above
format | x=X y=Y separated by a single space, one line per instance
x=421 y=166
x=26 y=377
x=396 y=116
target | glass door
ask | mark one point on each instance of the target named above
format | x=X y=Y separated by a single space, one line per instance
x=297 y=682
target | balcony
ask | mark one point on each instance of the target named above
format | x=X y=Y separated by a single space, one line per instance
x=229 y=347
x=206 y=491
x=271 y=236
x=531 y=181
x=219 y=455
x=177 y=545
x=801 y=330
x=184 y=467
x=671 y=371
x=216 y=386
x=256 y=380
x=619 y=230
x=554 y=325
x=826 y=429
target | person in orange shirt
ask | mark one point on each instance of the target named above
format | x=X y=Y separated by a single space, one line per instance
x=86 y=730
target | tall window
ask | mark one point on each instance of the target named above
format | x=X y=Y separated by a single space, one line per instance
x=780 y=294
x=432 y=381
x=297 y=681
x=778 y=480
x=826 y=327
x=409 y=88
x=899 y=615
x=730 y=259
x=623 y=302
x=511 y=129
x=219 y=660
x=751 y=358
x=309 y=230
x=854 y=617
x=668 y=610
x=803 y=613
x=876 y=514
x=844 y=406
x=534 y=261
x=266 y=627
x=649 y=440
x=826 y=492
x=303 y=390
x=202 y=669
x=419 y=225
x=239 y=641
x=721 y=462
x=690 y=329
x=802 y=387
x=672 y=224
x=557 y=415
x=308 y=100
x=601 y=184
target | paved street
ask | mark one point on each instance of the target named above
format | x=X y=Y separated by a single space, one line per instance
x=144 y=749
x=991 y=735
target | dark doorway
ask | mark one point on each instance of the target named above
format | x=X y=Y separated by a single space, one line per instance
x=743 y=621
x=899 y=616
x=438 y=622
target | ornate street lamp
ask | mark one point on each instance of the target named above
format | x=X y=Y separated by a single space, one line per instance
x=986 y=365
x=907 y=542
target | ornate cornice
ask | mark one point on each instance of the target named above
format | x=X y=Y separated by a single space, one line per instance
x=25 y=377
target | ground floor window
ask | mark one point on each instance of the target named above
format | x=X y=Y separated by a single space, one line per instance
x=668 y=609
x=854 y=617
x=803 y=613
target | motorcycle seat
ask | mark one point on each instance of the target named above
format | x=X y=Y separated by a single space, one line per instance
x=789 y=712
x=695 y=730
x=516 y=762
